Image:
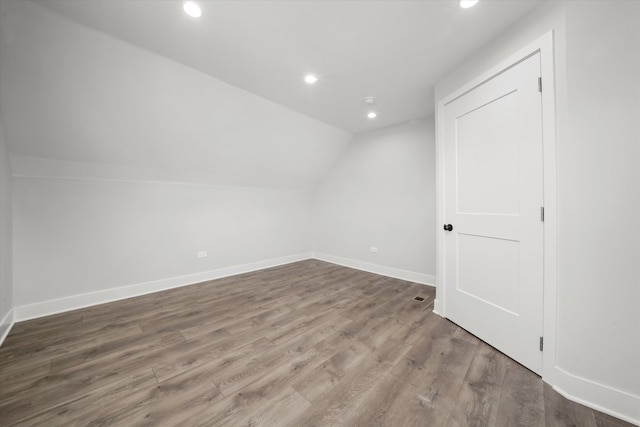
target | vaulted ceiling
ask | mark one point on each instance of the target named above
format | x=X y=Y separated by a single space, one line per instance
x=391 y=50
x=136 y=89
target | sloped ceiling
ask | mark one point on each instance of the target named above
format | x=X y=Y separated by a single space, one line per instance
x=79 y=103
x=393 y=50
x=136 y=89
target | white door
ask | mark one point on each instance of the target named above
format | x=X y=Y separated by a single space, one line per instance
x=493 y=175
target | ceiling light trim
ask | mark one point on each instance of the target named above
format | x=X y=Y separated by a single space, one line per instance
x=192 y=9
x=467 y=4
x=310 y=78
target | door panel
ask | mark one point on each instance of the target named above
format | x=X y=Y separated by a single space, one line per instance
x=493 y=194
x=487 y=164
x=491 y=271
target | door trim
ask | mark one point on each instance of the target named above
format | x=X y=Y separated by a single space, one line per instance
x=543 y=45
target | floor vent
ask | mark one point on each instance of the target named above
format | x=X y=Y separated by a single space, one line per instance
x=419 y=298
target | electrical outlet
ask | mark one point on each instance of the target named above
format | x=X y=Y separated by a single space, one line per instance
x=374 y=249
x=202 y=254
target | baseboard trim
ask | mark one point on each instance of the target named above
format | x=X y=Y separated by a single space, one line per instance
x=47 y=308
x=396 y=273
x=437 y=307
x=6 y=325
x=600 y=397
x=74 y=302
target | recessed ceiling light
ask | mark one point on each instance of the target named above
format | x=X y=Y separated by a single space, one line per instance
x=372 y=114
x=310 y=79
x=192 y=9
x=466 y=4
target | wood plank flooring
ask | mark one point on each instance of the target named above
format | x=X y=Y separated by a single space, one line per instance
x=306 y=344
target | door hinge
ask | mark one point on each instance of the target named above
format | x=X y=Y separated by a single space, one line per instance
x=541 y=343
x=540 y=84
x=542 y=213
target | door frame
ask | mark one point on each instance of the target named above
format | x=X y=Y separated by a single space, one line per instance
x=544 y=45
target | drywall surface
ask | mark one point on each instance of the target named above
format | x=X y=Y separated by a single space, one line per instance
x=75 y=236
x=6 y=287
x=128 y=164
x=381 y=193
x=598 y=174
x=73 y=94
x=597 y=74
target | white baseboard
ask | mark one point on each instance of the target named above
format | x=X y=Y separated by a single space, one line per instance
x=600 y=397
x=46 y=308
x=5 y=326
x=396 y=273
x=437 y=307
x=74 y=302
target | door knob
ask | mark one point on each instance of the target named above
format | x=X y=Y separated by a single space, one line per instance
x=448 y=227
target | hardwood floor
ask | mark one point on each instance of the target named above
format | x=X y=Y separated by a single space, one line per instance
x=306 y=344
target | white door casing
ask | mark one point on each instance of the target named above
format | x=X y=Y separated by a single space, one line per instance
x=487 y=212
x=494 y=195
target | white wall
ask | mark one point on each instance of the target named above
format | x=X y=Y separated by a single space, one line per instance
x=75 y=236
x=597 y=52
x=6 y=287
x=74 y=94
x=598 y=187
x=127 y=164
x=381 y=193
